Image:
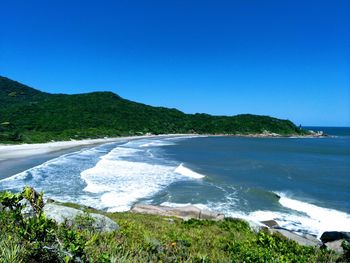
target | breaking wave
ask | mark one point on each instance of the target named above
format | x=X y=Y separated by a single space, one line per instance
x=181 y=169
x=130 y=172
x=301 y=218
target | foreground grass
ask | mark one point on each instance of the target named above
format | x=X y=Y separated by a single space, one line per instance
x=151 y=238
x=141 y=238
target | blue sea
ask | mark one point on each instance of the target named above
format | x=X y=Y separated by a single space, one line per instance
x=302 y=183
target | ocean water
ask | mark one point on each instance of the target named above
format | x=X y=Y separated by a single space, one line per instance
x=302 y=183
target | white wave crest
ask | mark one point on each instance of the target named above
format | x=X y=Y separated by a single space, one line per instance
x=323 y=219
x=157 y=143
x=123 y=182
x=188 y=172
x=305 y=218
x=126 y=175
x=147 y=143
x=119 y=153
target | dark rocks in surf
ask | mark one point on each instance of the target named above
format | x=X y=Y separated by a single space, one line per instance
x=330 y=236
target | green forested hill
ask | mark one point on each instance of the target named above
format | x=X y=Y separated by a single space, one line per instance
x=29 y=115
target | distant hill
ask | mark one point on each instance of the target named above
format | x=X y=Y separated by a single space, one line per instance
x=29 y=115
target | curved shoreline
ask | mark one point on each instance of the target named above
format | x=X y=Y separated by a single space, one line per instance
x=10 y=151
x=124 y=139
x=13 y=151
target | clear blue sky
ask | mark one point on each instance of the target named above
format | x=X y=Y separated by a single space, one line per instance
x=289 y=59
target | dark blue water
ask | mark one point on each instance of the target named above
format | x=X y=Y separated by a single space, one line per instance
x=303 y=183
x=314 y=170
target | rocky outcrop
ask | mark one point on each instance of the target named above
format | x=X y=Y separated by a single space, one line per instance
x=304 y=240
x=330 y=236
x=333 y=240
x=335 y=245
x=185 y=212
x=301 y=239
x=270 y=223
x=62 y=214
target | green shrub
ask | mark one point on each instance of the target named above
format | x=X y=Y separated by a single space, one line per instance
x=40 y=236
x=346 y=248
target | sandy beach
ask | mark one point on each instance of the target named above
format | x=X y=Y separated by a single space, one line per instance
x=8 y=152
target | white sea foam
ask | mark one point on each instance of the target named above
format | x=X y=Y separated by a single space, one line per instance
x=305 y=217
x=181 y=169
x=185 y=137
x=23 y=175
x=158 y=143
x=125 y=176
x=131 y=172
x=323 y=219
x=147 y=143
x=121 y=178
x=119 y=153
x=19 y=176
x=59 y=178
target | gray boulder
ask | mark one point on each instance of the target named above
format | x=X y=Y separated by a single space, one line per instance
x=189 y=211
x=205 y=214
x=27 y=210
x=335 y=245
x=185 y=212
x=270 y=223
x=150 y=209
x=301 y=240
x=62 y=214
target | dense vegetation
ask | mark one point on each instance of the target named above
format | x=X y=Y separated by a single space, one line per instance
x=29 y=115
x=141 y=238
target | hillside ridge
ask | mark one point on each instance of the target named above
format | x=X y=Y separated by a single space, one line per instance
x=29 y=115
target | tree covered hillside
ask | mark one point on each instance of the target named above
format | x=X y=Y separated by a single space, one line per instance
x=29 y=115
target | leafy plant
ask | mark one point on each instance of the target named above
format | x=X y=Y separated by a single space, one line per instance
x=39 y=234
x=346 y=247
x=85 y=222
x=10 y=250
